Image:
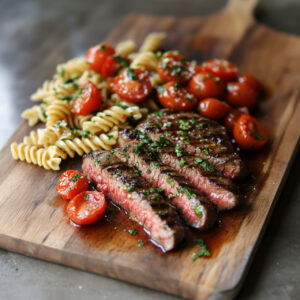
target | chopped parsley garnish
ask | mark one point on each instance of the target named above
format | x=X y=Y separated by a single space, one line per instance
x=148 y=171
x=141 y=243
x=133 y=231
x=107 y=156
x=179 y=151
x=124 y=62
x=77 y=93
x=75 y=177
x=171 y=181
x=189 y=99
x=186 y=191
x=182 y=162
x=137 y=171
x=131 y=74
x=97 y=161
x=204 y=164
x=62 y=72
x=168 y=134
x=103 y=47
x=161 y=89
x=258 y=137
x=125 y=155
x=203 y=251
x=176 y=84
x=85 y=134
x=198 y=210
x=86 y=197
x=217 y=79
x=193 y=121
x=65 y=98
x=158 y=123
x=130 y=188
x=110 y=136
x=184 y=125
x=71 y=80
x=112 y=151
x=44 y=114
x=205 y=152
x=158 y=113
x=171 y=205
x=60 y=124
x=155 y=164
x=161 y=212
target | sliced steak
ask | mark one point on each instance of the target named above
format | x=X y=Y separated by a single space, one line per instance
x=198 y=136
x=192 y=205
x=145 y=204
x=200 y=173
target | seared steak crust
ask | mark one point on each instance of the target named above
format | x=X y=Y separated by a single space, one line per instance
x=127 y=189
x=199 y=136
x=200 y=173
x=193 y=206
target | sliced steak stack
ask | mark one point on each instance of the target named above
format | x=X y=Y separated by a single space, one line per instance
x=198 y=136
x=198 y=171
x=123 y=185
x=192 y=205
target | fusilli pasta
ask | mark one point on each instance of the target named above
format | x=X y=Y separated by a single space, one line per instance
x=126 y=47
x=153 y=42
x=145 y=60
x=59 y=110
x=35 y=114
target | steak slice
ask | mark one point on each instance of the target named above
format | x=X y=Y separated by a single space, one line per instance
x=192 y=205
x=145 y=204
x=198 y=136
x=199 y=172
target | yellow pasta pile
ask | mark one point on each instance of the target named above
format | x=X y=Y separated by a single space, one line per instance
x=66 y=134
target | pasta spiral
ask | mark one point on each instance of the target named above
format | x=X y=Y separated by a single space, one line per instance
x=126 y=47
x=43 y=92
x=116 y=115
x=153 y=42
x=42 y=157
x=75 y=66
x=59 y=110
x=85 y=145
x=35 y=114
x=145 y=60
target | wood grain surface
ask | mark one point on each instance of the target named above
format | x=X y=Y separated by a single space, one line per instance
x=32 y=218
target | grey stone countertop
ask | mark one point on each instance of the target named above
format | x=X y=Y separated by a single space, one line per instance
x=275 y=271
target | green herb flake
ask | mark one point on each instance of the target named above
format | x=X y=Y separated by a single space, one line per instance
x=171 y=181
x=130 y=188
x=131 y=74
x=86 y=197
x=137 y=171
x=161 y=89
x=148 y=171
x=75 y=177
x=85 y=134
x=141 y=243
x=171 y=205
x=107 y=156
x=204 y=164
x=182 y=162
x=198 y=210
x=102 y=47
x=205 y=152
x=184 y=125
x=158 y=123
x=176 y=84
x=179 y=151
x=155 y=164
x=71 y=80
x=133 y=231
x=258 y=137
x=123 y=61
x=203 y=251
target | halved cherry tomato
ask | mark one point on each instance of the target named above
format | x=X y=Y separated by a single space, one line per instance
x=113 y=64
x=174 y=97
x=132 y=85
x=250 y=80
x=96 y=55
x=213 y=109
x=222 y=68
x=86 y=208
x=199 y=69
x=89 y=99
x=241 y=94
x=174 y=67
x=233 y=116
x=71 y=183
x=204 y=85
x=249 y=133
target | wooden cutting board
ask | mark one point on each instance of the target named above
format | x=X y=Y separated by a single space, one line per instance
x=32 y=217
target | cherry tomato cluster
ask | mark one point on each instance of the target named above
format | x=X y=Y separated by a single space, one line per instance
x=214 y=87
x=85 y=207
x=218 y=92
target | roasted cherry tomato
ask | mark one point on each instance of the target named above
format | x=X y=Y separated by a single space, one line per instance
x=204 y=85
x=113 y=64
x=199 y=69
x=222 y=68
x=213 y=109
x=132 y=85
x=172 y=96
x=71 y=183
x=98 y=54
x=250 y=80
x=86 y=208
x=249 y=133
x=88 y=100
x=233 y=116
x=241 y=94
x=174 y=67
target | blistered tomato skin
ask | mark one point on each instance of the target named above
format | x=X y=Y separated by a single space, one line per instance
x=249 y=133
x=222 y=68
x=88 y=100
x=231 y=119
x=240 y=94
x=174 y=67
x=132 y=85
x=204 y=85
x=87 y=207
x=71 y=183
x=213 y=109
x=251 y=81
x=96 y=56
x=174 y=97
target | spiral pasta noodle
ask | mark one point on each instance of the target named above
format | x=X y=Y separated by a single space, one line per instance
x=35 y=114
x=126 y=47
x=80 y=146
x=59 y=110
x=43 y=92
x=42 y=157
x=153 y=42
x=75 y=66
x=105 y=120
x=145 y=60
